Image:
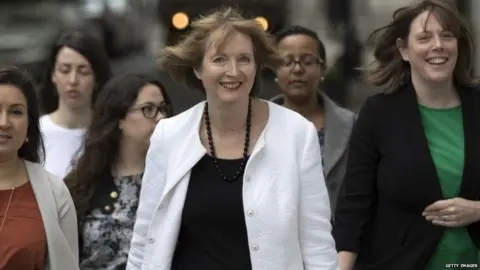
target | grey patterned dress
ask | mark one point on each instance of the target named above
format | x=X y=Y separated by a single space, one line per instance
x=321 y=139
x=106 y=237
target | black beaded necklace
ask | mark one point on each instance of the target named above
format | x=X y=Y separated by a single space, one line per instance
x=243 y=163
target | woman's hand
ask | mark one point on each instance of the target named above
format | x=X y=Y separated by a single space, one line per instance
x=453 y=213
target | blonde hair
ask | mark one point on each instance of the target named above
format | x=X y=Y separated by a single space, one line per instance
x=180 y=60
x=390 y=71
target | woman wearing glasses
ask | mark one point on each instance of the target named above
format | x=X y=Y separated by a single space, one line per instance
x=106 y=180
x=299 y=78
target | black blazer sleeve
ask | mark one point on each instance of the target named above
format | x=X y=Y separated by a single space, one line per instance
x=358 y=191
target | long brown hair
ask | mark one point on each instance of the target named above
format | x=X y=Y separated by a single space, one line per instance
x=102 y=139
x=391 y=72
x=180 y=60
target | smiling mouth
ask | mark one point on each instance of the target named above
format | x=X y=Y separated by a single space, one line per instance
x=231 y=85
x=437 y=60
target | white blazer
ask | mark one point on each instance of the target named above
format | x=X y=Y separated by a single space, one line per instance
x=286 y=203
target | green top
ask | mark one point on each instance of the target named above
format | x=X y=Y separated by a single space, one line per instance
x=444 y=131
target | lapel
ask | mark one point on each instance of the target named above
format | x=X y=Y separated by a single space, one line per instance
x=46 y=204
x=258 y=161
x=338 y=126
x=41 y=188
x=190 y=152
x=412 y=120
x=418 y=140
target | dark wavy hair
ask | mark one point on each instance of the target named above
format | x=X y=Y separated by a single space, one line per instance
x=89 y=47
x=390 y=71
x=32 y=150
x=102 y=139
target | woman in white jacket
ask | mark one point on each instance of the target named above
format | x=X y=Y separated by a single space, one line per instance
x=234 y=182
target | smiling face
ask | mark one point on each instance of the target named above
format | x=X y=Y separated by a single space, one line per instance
x=228 y=71
x=431 y=50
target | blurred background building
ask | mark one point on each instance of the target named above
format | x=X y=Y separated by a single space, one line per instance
x=134 y=30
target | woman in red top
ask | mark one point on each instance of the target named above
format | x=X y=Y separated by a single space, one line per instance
x=38 y=227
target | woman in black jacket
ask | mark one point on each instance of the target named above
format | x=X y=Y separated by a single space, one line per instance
x=410 y=197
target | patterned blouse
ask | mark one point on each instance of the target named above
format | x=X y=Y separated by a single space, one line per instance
x=321 y=139
x=106 y=237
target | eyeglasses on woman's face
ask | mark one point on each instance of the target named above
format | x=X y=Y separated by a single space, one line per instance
x=151 y=111
x=306 y=61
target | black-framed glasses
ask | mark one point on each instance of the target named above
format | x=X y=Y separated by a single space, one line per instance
x=306 y=61
x=151 y=111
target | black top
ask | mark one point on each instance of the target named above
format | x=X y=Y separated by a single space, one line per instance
x=213 y=234
x=391 y=178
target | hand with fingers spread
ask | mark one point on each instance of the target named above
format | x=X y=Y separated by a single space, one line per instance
x=453 y=213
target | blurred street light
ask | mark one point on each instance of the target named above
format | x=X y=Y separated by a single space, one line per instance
x=180 y=20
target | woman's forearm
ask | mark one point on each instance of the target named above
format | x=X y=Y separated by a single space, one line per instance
x=347 y=260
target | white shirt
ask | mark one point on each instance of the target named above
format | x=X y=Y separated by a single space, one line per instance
x=287 y=210
x=61 y=146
